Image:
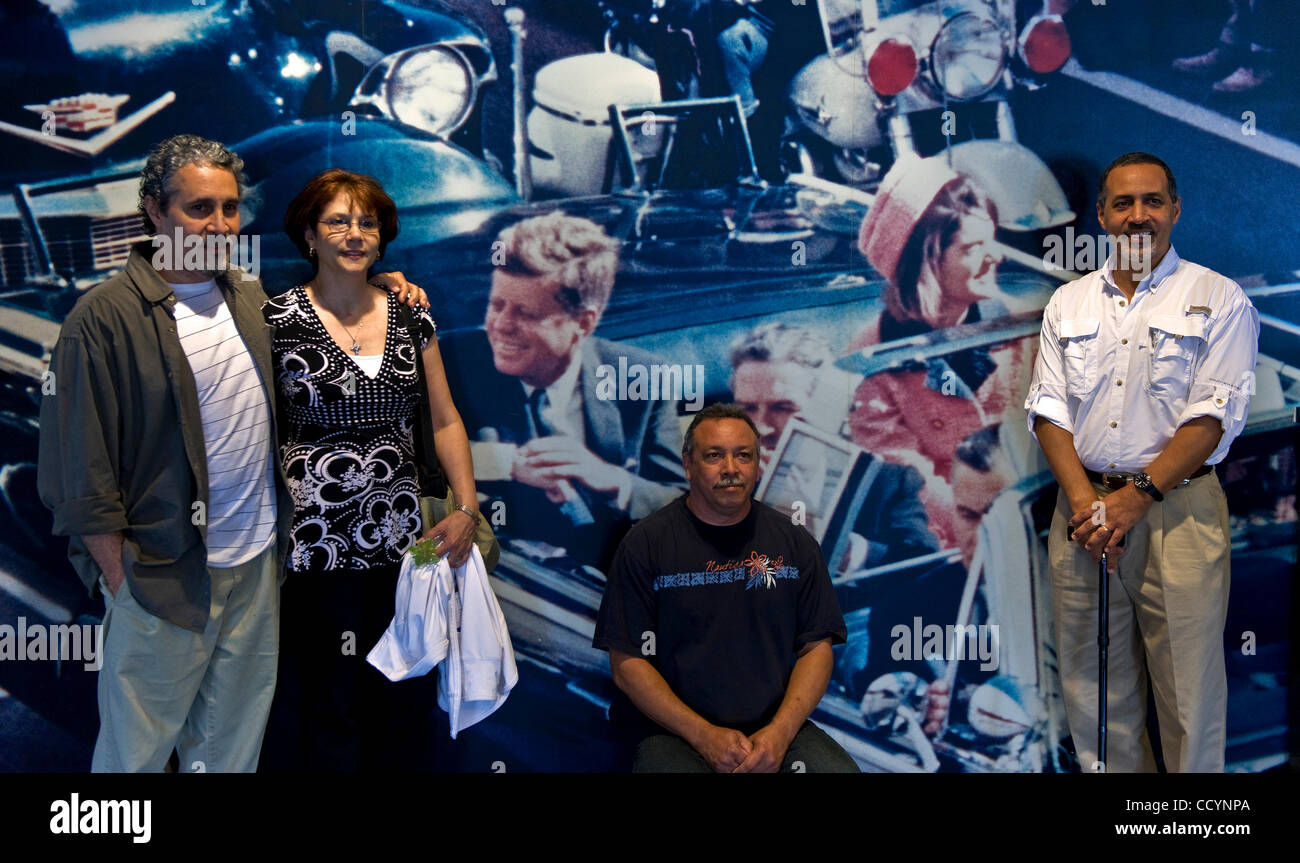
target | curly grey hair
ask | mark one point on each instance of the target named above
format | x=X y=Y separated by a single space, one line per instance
x=174 y=153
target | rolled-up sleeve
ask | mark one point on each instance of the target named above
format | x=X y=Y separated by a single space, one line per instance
x=1047 y=391
x=1224 y=378
x=77 y=470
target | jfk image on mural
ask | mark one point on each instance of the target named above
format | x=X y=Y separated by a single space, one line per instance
x=559 y=465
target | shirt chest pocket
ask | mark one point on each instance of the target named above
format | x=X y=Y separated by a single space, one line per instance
x=1079 y=349
x=1174 y=341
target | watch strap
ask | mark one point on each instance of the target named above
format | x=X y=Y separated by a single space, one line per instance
x=1143 y=483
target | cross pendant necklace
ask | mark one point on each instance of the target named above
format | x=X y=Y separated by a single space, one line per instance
x=356 y=346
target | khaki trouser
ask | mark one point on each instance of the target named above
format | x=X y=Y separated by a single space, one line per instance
x=1168 y=604
x=206 y=695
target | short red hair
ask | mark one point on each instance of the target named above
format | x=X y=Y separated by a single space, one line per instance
x=365 y=191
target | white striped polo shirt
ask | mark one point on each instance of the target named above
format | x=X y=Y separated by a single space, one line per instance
x=236 y=426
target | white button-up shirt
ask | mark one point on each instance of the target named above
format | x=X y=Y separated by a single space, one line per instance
x=1122 y=376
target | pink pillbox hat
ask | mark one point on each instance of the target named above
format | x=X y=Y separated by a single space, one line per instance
x=902 y=198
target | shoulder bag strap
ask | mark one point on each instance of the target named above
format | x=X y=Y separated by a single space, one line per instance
x=433 y=482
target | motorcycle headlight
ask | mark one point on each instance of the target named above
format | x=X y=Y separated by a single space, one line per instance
x=967 y=56
x=431 y=88
x=892 y=66
x=1045 y=44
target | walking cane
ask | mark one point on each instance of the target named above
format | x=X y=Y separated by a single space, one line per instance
x=1103 y=640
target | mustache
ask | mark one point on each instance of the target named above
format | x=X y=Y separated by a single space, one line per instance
x=729 y=482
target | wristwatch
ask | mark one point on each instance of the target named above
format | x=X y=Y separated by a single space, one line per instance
x=1142 y=482
x=474 y=514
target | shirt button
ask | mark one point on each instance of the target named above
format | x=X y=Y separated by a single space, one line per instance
x=1123 y=303
x=937 y=423
x=1119 y=383
x=1123 y=341
x=1114 y=424
x=1112 y=464
x=1218 y=401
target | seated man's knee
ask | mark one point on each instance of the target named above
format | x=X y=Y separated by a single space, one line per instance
x=667 y=753
x=814 y=751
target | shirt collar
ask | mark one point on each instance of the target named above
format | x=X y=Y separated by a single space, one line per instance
x=150 y=283
x=560 y=392
x=190 y=290
x=1164 y=269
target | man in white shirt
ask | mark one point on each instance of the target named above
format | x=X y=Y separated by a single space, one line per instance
x=1142 y=382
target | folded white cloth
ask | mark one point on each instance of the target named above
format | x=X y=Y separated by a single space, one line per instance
x=450 y=619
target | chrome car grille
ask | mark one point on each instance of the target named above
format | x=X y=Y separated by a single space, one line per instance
x=78 y=245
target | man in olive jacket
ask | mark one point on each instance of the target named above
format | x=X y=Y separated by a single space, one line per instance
x=157 y=443
x=157 y=457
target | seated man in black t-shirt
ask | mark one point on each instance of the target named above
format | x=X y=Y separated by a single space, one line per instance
x=719 y=617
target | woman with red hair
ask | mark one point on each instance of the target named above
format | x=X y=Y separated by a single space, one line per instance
x=930 y=232
x=349 y=392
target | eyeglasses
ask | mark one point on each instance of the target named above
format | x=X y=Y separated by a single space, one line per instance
x=341 y=224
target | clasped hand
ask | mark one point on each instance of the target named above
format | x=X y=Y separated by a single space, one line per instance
x=728 y=751
x=1102 y=525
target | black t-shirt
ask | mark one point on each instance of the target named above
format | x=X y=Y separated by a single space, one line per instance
x=721 y=612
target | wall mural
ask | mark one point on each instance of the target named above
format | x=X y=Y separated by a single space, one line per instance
x=733 y=150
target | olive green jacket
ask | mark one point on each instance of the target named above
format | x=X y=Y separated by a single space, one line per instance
x=121 y=441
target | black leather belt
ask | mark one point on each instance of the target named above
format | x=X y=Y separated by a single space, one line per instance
x=1118 y=479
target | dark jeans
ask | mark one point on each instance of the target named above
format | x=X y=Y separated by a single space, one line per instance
x=350 y=718
x=811 y=751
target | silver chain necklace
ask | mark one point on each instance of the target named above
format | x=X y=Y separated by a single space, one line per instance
x=356 y=345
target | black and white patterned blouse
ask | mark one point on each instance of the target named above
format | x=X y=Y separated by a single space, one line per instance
x=347 y=440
